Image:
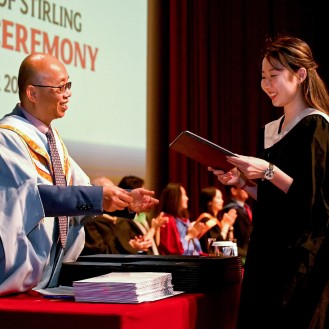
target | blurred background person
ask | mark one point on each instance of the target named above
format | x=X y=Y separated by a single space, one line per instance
x=178 y=236
x=118 y=232
x=101 y=181
x=135 y=234
x=218 y=227
x=243 y=224
x=99 y=230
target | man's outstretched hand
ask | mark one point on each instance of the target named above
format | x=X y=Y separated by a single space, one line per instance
x=138 y=200
x=143 y=200
x=115 y=198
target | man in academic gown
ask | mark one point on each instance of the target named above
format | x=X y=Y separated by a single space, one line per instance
x=30 y=252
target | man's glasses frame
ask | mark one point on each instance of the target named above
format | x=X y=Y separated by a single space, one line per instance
x=62 y=88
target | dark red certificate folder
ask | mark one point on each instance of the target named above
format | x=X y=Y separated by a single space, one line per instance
x=202 y=150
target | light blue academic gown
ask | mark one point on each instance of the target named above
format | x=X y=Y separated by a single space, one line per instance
x=29 y=252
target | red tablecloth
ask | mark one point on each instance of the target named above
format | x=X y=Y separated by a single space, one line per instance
x=186 y=311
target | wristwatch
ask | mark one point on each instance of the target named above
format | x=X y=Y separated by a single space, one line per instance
x=269 y=172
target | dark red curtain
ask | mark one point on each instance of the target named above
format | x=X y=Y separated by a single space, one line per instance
x=210 y=76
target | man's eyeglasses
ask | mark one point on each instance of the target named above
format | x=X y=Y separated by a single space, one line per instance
x=61 y=88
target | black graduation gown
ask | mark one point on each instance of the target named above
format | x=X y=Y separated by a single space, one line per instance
x=125 y=230
x=286 y=269
x=99 y=236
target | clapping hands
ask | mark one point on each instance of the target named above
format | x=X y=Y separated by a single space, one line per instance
x=141 y=243
x=229 y=217
x=159 y=221
x=195 y=229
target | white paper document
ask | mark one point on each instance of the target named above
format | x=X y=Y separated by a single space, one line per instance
x=61 y=292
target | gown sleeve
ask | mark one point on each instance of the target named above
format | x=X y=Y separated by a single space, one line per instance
x=170 y=243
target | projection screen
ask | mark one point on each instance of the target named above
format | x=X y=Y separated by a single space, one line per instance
x=103 y=45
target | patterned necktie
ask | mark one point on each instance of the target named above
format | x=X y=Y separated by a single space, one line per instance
x=59 y=179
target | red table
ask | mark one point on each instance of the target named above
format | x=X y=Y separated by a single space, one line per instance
x=186 y=311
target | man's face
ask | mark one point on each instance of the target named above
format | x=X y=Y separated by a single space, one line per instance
x=51 y=102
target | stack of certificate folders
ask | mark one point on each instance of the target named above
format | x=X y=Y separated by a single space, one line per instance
x=124 y=287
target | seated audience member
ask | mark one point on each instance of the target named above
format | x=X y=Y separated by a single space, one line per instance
x=178 y=236
x=108 y=234
x=100 y=235
x=99 y=230
x=216 y=226
x=129 y=182
x=129 y=239
x=136 y=235
x=243 y=223
x=41 y=185
x=102 y=181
